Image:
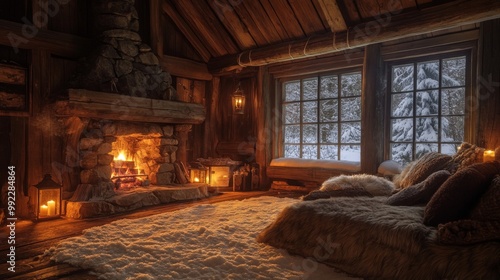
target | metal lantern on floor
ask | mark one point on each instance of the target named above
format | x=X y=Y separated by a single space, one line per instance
x=46 y=197
x=198 y=175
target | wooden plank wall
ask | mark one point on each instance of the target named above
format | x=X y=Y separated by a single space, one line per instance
x=489 y=85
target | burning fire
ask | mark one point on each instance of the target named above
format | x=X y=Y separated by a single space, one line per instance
x=121 y=156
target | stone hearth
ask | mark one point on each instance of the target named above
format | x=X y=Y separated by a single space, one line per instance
x=126 y=200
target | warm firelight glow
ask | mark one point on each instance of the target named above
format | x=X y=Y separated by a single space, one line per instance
x=121 y=156
x=196 y=179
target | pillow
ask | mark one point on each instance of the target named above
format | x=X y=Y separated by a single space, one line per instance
x=466 y=155
x=488 y=207
x=375 y=185
x=465 y=232
x=420 y=169
x=420 y=193
x=457 y=196
x=350 y=192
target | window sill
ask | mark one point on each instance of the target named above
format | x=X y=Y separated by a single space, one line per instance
x=310 y=170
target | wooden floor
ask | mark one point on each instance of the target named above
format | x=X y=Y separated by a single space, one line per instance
x=32 y=239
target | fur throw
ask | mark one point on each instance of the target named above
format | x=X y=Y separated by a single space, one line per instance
x=375 y=185
x=367 y=238
x=349 y=192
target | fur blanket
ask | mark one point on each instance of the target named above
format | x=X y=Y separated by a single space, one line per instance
x=367 y=238
x=376 y=186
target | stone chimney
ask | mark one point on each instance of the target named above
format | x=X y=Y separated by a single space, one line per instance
x=121 y=63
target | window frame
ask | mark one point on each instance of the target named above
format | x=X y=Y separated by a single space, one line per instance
x=318 y=75
x=469 y=115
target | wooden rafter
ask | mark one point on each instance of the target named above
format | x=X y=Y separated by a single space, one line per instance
x=200 y=46
x=333 y=15
x=444 y=16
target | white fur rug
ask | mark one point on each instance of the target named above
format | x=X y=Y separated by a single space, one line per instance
x=212 y=241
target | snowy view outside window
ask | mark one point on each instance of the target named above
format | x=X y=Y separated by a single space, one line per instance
x=427 y=107
x=320 y=123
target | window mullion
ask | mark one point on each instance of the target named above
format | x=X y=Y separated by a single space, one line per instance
x=318 y=132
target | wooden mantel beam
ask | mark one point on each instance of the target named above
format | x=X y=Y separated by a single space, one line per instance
x=390 y=26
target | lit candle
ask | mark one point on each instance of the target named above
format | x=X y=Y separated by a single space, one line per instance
x=196 y=179
x=44 y=210
x=488 y=155
x=52 y=207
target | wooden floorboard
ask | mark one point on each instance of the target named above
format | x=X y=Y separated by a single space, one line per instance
x=33 y=239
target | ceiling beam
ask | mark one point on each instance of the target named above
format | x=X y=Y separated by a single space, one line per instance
x=333 y=15
x=25 y=36
x=386 y=28
x=186 y=30
x=185 y=68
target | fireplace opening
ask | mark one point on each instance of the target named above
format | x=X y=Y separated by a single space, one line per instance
x=134 y=158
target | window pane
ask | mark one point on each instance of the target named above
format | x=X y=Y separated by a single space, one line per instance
x=428 y=75
x=453 y=101
x=427 y=103
x=292 y=91
x=422 y=149
x=402 y=153
x=328 y=152
x=310 y=88
x=402 y=104
x=402 y=78
x=292 y=134
x=310 y=151
x=329 y=87
x=453 y=72
x=449 y=149
x=292 y=151
x=351 y=132
x=328 y=110
x=350 y=152
x=350 y=109
x=402 y=130
x=291 y=113
x=452 y=129
x=351 y=84
x=426 y=129
x=310 y=111
x=329 y=133
x=310 y=133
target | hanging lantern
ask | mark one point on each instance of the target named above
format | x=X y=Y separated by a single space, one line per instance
x=238 y=101
x=46 y=199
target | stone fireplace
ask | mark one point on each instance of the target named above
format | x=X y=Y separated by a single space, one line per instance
x=117 y=154
x=123 y=122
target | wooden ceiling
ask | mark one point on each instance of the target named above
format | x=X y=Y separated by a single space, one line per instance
x=222 y=28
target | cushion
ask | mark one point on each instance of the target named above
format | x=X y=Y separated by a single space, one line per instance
x=465 y=232
x=458 y=195
x=349 y=192
x=488 y=207
x=420 y=193
x=466 y=155
x=418 y=170
x=375 y=185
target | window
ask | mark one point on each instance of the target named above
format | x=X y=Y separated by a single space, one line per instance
x=320 y=123
x=427 y=107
